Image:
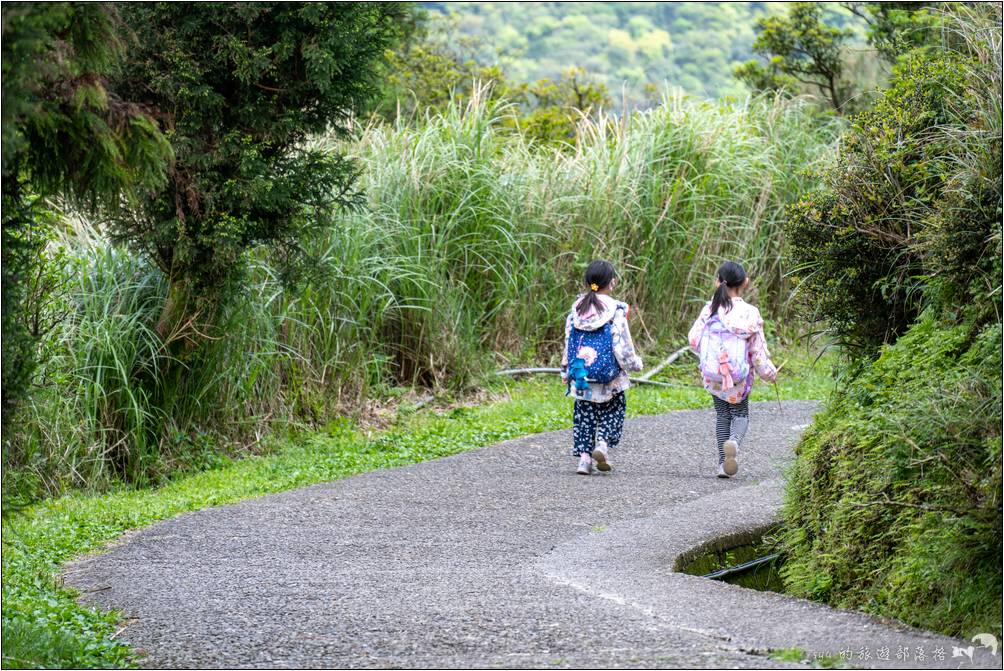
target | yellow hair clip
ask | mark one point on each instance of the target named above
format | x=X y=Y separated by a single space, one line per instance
x=594 y=286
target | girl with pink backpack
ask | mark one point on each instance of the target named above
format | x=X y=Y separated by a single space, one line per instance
x=728 y=339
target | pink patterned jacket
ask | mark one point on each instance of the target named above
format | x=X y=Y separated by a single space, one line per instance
x=745 y=322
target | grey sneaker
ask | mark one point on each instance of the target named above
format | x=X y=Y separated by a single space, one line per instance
x=601 y=457
x=721 y=471
x=731 y=465
x=585 y=464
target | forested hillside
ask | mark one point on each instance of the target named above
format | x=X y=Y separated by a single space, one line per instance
x=692 y=45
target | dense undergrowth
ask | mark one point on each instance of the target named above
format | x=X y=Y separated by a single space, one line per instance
x=465 y=257
x=44 y=627
x=894 y=504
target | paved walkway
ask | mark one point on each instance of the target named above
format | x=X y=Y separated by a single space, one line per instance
x=497 y=557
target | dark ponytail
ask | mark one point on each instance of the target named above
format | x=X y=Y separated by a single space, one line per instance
x=731 y=275
x=599 y=274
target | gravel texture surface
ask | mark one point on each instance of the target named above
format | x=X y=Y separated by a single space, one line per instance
x=500 y=557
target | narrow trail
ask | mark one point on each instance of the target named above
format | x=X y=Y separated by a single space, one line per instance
x=498 y=557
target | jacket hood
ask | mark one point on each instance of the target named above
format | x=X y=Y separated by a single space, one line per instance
x=593 y=320
x=743 y=320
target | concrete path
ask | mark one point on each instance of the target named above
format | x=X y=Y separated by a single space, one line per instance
x=498 y=557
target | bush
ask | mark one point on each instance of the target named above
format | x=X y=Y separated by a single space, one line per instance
x=910 y=214
x=894 y=502
x=854 y=246
x=893 y=505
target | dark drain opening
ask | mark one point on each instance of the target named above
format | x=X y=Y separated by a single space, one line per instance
x=750 y=560
x=726 y=573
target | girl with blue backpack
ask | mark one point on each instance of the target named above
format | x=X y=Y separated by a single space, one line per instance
x=598 y=354
x=728 y=339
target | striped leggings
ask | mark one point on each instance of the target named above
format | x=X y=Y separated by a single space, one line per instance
x=731 y=422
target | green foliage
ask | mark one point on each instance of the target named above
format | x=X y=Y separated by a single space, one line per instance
x=44 y=626
x=911 y=214
x=897 y=28
x=23 y=243
x=105 y=411
x=796 y=655
x=800 y=49
x=63 y=135
x=241 y=87
x=430 y=75
x=767 y=77
x=466 y=257
x=62 y=130
x=625 y=46
x=238 y=89
x=556 y=107
x=499 y=231
x=893 y=505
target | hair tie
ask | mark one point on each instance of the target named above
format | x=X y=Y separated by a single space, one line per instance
x=594 y=286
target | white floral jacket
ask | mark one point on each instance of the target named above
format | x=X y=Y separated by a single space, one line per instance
x=614 y=311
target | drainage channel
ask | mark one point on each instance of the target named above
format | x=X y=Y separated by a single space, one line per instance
x=725 y=573
x=751 y=562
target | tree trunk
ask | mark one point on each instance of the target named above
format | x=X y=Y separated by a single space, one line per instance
x=832 y=86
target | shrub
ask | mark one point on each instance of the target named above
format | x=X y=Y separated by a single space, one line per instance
x=894 y=502
x=911 y=210
x=855 y=246
x=893 y=505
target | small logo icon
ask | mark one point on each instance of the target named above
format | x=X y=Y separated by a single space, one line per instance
x=986 y=641
x=959 y=652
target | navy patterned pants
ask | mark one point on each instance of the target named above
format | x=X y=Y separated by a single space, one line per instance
x=597 y=421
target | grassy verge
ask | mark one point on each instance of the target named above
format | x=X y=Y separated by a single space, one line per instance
x=44 y=626
x=894 y=502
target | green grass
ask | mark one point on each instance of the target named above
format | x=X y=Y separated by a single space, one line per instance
x=787 y=654
x=45 y=627
x=816 y=661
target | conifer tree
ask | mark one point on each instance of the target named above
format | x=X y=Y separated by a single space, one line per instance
x=65 y=135
x=239 y=88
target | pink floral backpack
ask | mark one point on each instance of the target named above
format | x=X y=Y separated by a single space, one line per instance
x=724 y=355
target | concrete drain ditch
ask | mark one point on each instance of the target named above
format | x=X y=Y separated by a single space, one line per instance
x=748 y=559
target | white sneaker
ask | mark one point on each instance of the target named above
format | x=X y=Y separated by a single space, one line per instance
x=585 y=464
x=601 y=456
x=731 y=465
x=721 y=471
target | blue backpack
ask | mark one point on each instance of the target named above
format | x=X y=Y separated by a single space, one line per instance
x=591 y=357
